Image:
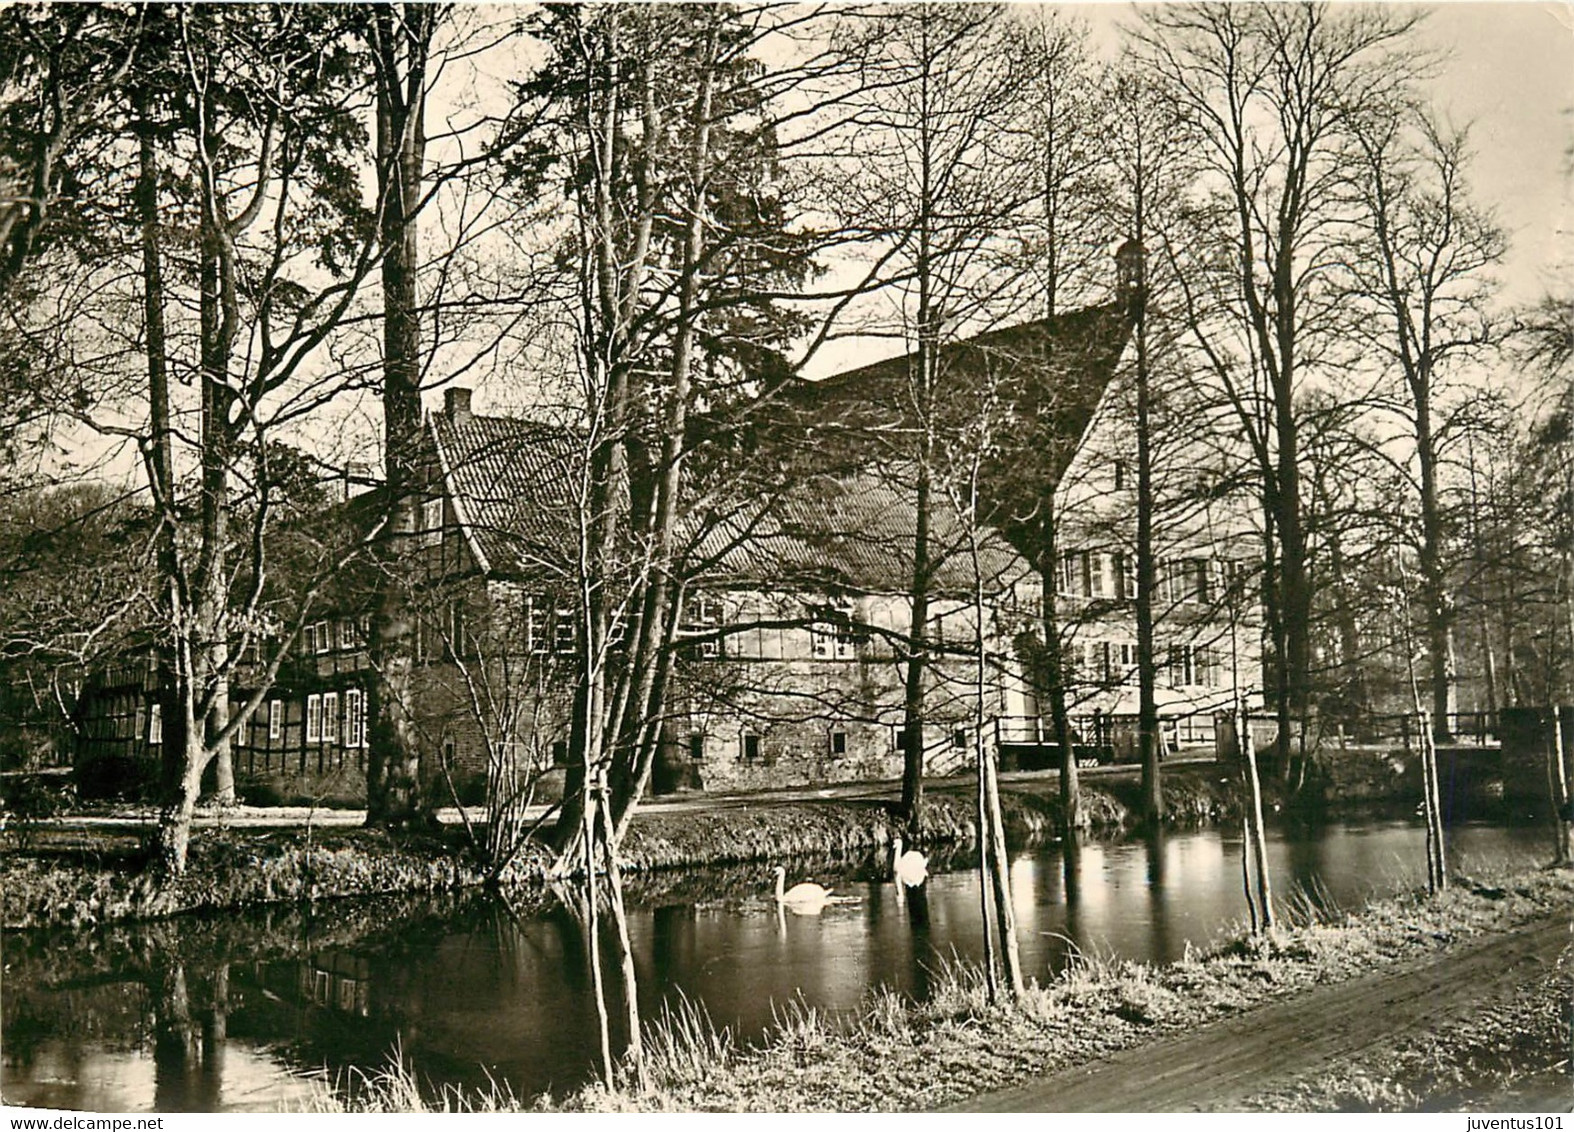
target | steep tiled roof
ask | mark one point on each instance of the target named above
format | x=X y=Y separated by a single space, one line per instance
x=514 y=483
x=1036 y=356
x=1049 y=376
x=846 y=519
x=855 y=532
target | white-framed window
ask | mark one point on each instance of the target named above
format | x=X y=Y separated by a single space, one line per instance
x=309 y=639
x=1125 y=577
x=354 y=718
x=318 y=636
x=155 y=724
x=1100 y=569
x=838 y=742
x=749 y=746
x=314 y=718
x=330 y=717
x=563 y=634
x=275 y=719
x=1073 y=573
x=1209 y=666
x=456 y=627
x=432 y=522
x=703 y=618
x=1201 y=577
x=538 y=619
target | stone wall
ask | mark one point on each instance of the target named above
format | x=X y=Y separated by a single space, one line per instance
x=751 y=726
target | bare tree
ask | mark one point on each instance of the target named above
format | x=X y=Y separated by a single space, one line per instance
x=690 y=222
x=400 y=41
x=940 y=177
x=1271 y=90
x=1419 y=263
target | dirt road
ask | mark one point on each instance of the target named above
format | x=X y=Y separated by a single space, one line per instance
x=1216 y=1067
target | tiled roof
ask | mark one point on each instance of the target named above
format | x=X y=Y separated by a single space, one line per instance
x=854 y=531
x=515 y=485
x=1049 y=375
x=847 y=519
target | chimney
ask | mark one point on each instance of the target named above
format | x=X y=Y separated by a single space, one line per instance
x=456 y=404
x=1129 y=273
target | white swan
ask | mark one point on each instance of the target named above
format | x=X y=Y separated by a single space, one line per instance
x=804 y=897
x=910 y=868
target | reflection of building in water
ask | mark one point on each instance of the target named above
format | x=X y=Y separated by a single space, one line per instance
x=339 y=980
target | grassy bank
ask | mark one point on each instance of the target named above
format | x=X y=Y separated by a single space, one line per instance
x=90 y=877
x=233 y=868
x=898 y=1056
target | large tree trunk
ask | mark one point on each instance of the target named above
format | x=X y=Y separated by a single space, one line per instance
x=401 y=38
x=181 y=788
x=161 y=478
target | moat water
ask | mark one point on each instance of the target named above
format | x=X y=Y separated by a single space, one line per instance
x=234 y=1012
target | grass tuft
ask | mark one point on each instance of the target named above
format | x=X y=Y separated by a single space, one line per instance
x=685 y=1045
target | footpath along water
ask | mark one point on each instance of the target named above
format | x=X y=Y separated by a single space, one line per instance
x=225 y=1013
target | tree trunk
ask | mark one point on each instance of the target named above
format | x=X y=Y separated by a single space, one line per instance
x=917 y=664
x=401 y=39
x=588 y=814
x=630 y=977
x=985 y=881
x=170 y=695
x=1005 y=914
x=1147 y=662
x=1072 y=814
x=1558 y=789
x=180 y=797
x=1259 y=839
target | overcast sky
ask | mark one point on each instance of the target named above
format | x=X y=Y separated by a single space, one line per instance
x=1511 y=73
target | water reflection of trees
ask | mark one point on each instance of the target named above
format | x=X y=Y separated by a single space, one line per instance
x=289 y=979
